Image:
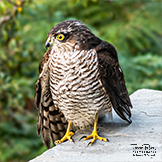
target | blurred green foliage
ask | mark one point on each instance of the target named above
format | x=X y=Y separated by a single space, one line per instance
x=133 y=27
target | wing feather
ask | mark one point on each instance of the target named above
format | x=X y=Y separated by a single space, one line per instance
x=112 y=79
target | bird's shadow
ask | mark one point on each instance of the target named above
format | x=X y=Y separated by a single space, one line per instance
x=113 y=126
x=110 y=128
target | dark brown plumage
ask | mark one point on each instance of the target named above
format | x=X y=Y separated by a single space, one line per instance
x=113 y=81
x=80 y=78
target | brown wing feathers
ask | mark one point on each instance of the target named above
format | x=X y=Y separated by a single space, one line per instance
x=50 y=120
x=112 y=79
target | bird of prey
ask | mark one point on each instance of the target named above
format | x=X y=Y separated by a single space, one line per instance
x=80 y=81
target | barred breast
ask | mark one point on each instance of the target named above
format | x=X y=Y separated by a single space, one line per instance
x=75 y=86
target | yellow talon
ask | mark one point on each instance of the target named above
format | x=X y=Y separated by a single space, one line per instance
x=94 y=135
x=67 y=135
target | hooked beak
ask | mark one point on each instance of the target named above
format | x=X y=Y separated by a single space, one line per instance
x=49 y=42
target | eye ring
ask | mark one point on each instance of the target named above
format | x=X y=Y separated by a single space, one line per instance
x=60 y=37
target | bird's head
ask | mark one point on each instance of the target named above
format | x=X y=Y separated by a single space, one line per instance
x=71 y=34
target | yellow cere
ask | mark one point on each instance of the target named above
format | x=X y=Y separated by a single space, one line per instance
x=60 y=37
x=49 y=39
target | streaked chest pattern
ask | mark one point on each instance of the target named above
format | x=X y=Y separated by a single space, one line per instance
x=74 y=85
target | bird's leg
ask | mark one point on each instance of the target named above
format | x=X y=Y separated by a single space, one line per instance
x=67 y=135
x=94 y=135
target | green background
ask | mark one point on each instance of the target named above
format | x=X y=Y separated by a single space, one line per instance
x=133 y=27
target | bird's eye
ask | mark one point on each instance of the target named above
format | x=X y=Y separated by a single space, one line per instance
x=60 y=37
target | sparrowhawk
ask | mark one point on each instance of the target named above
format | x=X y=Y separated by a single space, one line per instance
x=80 y=81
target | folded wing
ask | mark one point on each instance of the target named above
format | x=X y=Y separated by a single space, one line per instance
x=112 y=80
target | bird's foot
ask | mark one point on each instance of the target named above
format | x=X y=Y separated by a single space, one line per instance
x=67 y=136
x=94 y=135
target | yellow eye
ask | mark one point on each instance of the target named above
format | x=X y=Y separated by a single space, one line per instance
x=60 y=37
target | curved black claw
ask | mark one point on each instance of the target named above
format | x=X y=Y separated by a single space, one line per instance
x=107 y=140
x=72 y=139
x=82 y=137
x=90 y=143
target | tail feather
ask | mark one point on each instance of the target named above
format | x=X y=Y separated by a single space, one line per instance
x=46 y=130
x=61 y=124
x=54 y=124
x=124 y=113
x=55 y=134
x=39 y=123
